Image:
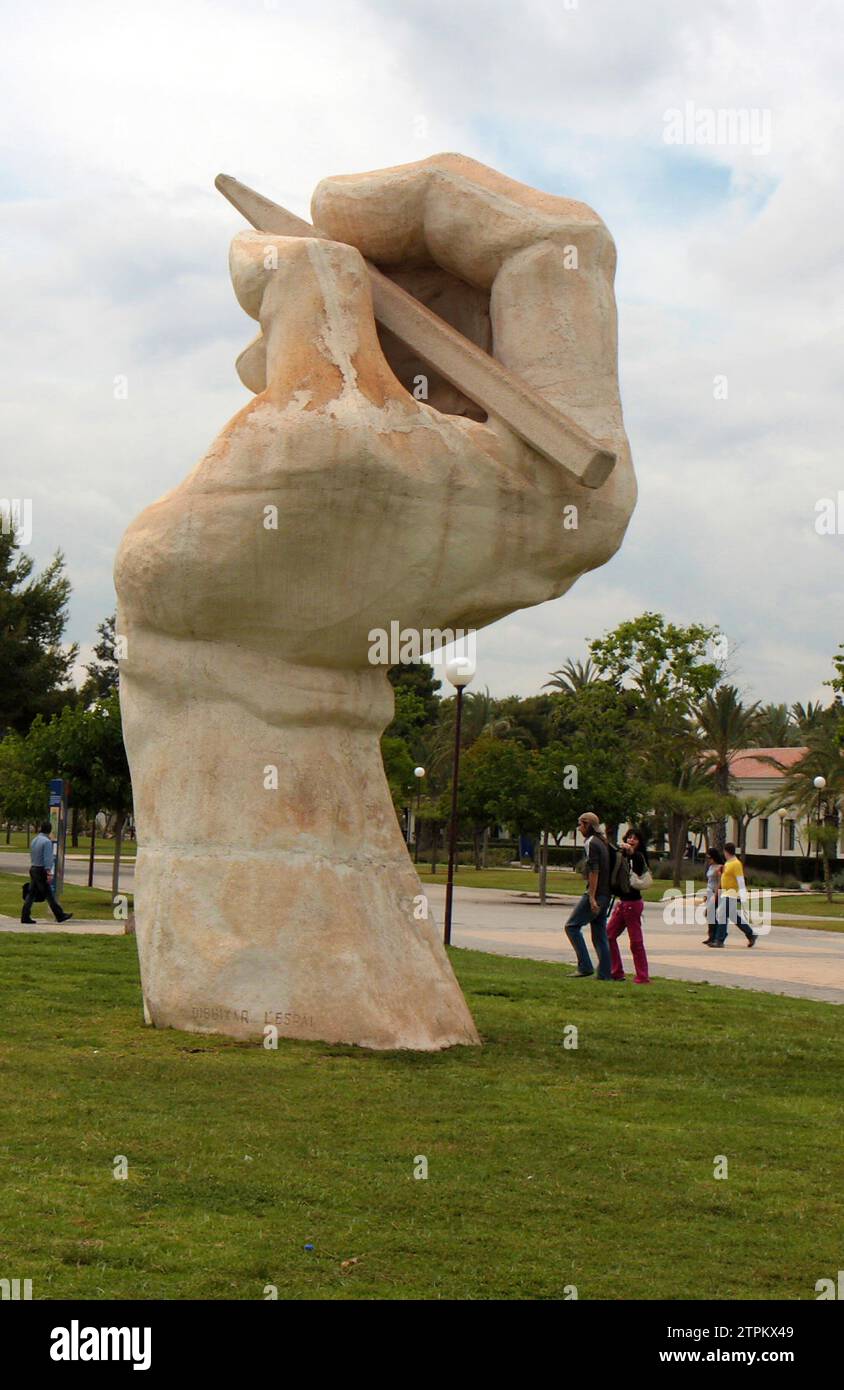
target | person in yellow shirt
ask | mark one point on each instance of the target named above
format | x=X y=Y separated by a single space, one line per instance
x=733 y=889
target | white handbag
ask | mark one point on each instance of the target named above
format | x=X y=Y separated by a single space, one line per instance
x=641 y=881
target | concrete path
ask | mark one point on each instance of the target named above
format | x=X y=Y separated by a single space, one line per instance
x=49 y=927
x=790 y=960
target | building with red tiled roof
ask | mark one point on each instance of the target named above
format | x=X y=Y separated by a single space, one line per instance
x=754 y=775
x=750 y=763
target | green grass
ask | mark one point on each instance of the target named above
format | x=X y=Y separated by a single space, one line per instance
x=547 y=1166
x=103 y=849
x=89 y=904
x=513 y=880
x=815 y=904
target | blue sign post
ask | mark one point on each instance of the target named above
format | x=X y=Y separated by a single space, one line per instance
x=59 y=797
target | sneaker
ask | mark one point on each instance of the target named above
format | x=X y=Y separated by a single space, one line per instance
x=65 y=917
x=28 y=922
x=715 y=943
x=582 y=975
x=753 y=939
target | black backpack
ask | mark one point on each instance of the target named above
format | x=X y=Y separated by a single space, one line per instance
x=619 y=871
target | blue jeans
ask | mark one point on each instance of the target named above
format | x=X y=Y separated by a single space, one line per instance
x=729 y=913
x=582 y=917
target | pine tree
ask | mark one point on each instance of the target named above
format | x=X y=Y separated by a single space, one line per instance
x=35 y=667
x=104 y=673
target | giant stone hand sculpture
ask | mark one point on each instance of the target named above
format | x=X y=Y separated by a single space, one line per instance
x=247 y=646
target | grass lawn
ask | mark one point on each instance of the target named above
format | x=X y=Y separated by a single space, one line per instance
x=513 y=880
x=102 y=848
x=90 y=904
x=815 y=904
x=547 y=1166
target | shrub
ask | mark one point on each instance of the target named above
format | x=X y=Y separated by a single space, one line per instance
x=764 y=878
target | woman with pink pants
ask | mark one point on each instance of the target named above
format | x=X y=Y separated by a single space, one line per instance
x=627 y=913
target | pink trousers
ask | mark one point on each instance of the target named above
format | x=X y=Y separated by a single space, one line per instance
x=628 y=917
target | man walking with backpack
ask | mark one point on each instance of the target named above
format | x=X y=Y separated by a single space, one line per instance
x=591 y=910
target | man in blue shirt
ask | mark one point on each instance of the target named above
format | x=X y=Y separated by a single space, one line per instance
x=40 y=874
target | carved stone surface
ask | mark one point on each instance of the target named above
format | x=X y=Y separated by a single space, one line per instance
x=273 y=883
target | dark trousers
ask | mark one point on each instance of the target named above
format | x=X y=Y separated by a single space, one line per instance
x=580 y=918
x=39 y=887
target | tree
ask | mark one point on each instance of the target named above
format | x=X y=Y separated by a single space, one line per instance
x=745 y=809
x=807 y=716
x=774 y=728
x=104 y=673
x=572 y=676
x=661 y=661
x=692 y=801
x=725 y=726
x=418 y=677
x=481 y=715
x=824 y=757
x=409 y=716
x=531 y=719
x=398 y=767
x=494 y=786
x=34 y=666
x=23 y=788
x=664 y=668
x=595 y=728
x=553 y=799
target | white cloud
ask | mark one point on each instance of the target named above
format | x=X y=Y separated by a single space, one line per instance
x=118 y=116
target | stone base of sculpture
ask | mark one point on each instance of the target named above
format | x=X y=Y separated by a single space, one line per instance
x=243 y=920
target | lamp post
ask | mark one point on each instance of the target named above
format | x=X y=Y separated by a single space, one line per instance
x=419 y=773
x=782 y=813
x=408 y=817
x=818 y=783
x=459 y=672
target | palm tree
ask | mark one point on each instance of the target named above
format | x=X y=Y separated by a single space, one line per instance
x=573 y=676
x=824 y=757
x=776 y=727
x=724 y=726
x=809 y=716
x=481 y=715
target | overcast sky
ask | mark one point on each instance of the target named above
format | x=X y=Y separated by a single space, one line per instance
x=116 y=117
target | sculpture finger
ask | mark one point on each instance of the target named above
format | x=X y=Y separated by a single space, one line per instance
x=318 y=340
x=546 y=262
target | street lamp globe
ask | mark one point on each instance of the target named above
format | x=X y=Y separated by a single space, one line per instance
x=460 y=671
x=782 y=813
x=419 y=772
x=819 y=783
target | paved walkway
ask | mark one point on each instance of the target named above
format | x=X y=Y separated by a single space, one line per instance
x=790 y=960
x=102 y=928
